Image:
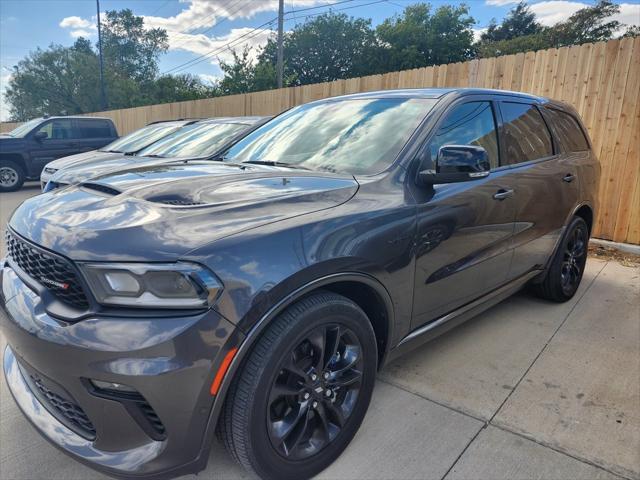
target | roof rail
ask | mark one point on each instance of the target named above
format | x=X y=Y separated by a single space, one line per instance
x=195 y=119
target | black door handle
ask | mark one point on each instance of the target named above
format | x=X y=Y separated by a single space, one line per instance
x=502 y=194
x=569 y=177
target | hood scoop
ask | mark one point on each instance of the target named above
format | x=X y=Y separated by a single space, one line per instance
x=100 y=188
x=175 y=200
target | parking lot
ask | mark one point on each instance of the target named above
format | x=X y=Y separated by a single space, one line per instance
x=529 y=389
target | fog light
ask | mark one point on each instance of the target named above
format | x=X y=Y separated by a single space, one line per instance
x=113 y=387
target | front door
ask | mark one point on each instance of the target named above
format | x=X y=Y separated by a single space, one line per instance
x=60 y=142
x=464 y=230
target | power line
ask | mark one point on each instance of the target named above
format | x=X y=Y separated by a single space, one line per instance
x=159 y=8
x=234 y=42
x=211 y=27
x=320 y=6
x=209 y=54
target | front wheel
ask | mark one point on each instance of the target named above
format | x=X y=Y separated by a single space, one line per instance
x=567 y=267
x=304 y=390
x=12 y=176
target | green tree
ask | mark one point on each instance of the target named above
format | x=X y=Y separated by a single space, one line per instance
x=58 y=80
x=421 y=37
x=329 y=47
x=519 y=22
x=242 y=76
x=129 y=49
x=589 y=24
x=65 y=80
x=179 y=88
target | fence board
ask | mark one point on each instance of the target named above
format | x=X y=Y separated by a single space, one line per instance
x=601 y=80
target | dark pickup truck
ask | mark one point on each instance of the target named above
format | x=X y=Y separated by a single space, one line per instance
x=28 y=148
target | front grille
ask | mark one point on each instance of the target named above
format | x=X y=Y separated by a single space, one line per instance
x=53 y=272
x=67 y=408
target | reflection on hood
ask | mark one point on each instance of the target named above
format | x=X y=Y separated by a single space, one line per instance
x=163 y=211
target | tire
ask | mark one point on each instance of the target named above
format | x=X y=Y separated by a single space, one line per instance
x=254 y=425
x=12 y=176
x=567 y=267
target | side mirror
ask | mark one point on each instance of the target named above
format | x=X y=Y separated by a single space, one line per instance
x=457 y=163
x=39 y=136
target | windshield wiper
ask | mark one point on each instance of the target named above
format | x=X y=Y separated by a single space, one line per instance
x=273 y=163
x=155 y=156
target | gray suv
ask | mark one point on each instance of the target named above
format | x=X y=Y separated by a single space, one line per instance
x=257 y=296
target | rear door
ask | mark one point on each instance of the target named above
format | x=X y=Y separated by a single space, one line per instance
x=93 y=133
x=464 y=230
x=547 y=183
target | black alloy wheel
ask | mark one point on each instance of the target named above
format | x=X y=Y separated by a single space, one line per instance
x=301 y=394
x=575 y=255
x=315 y=391
x=565 y=272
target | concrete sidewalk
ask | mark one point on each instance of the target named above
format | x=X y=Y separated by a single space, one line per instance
x=528 y=389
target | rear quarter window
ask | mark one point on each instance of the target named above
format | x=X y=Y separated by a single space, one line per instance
x=568 y=131
x=527 y=135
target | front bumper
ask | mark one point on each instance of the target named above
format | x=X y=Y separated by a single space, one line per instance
x=170 y=362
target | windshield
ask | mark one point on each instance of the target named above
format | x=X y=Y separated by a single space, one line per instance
x=25 y=128
x=195 y=141
x=359 y=136
x=140 y=138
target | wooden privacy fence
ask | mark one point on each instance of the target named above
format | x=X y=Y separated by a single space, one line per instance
x=601 y=80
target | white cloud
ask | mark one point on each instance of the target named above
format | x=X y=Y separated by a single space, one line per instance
x=477 y=33
x=629 y=14
x=202 y=45
x=80 y=33
x=501 y=3
x=79 y=27
x=206 y=13
x=211 y=79
x=75 y=22
x=4 y=105
x=551 y=12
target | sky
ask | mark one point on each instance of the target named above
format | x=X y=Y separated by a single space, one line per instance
x=201 y=32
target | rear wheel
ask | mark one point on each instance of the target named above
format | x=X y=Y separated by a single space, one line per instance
x=303 y=392
x=566 y=270
x=12 y=176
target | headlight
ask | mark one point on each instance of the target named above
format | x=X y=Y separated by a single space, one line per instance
x=153 y=285
x=50 y=170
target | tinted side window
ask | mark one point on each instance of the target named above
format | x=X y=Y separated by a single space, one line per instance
x=568 y=130
x=471 y=123
x=59 y=129
x=527 y=136
x=93 y=128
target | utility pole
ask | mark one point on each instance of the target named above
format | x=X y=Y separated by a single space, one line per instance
x=280 y=61
x=102 y=90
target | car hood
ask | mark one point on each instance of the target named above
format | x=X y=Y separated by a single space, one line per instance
x=8 y=143
x=84 y=160
x=161 y=212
